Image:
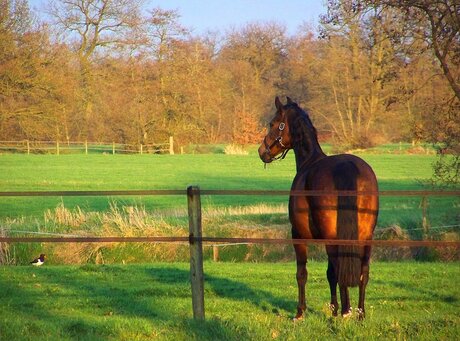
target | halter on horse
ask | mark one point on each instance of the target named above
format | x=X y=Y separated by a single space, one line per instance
x=330 y=216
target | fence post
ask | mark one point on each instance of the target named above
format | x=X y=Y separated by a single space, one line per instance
x=425 y=221
x=57 y=147
x=171 y=145
x=86 y=147
x=215 y=253
x=28 y=147
x=196 y=251
x=113 y=148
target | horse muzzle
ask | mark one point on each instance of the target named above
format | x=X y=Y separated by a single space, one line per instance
x=264 y=154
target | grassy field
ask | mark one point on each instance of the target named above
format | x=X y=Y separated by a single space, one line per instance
x=250 y=300
x=211 y=171
x=244 y=301
x=229 y=216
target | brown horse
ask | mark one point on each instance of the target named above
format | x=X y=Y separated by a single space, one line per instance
x=329 y=216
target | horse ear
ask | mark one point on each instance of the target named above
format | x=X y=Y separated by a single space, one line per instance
x=278 y=104
x=289 y=100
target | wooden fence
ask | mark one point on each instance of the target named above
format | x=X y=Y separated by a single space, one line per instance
x=86 y=147
x=196 y=239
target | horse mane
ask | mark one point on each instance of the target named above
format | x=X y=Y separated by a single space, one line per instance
x=298 y=129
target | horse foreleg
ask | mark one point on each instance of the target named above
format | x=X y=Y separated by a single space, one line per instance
x=345 y=301
x=332 y=278
x=301 y=276
x=364 y=279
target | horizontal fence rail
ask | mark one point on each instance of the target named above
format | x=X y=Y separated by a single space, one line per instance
x=30 y=146
x=223 y=241
x=413 y=193
x=92 y=193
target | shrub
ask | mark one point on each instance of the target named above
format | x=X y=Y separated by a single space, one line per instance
x=233 y=149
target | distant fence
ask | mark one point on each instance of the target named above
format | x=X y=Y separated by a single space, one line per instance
x=196 y=239
x=86 y=147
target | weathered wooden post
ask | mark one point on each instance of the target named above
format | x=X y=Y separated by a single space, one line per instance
x=113 y=148
x=28 y=147
x=171 y=145
x=425 y=221
x=196 y=251
x=86 y=147
x=215 y=253
x=57 y=147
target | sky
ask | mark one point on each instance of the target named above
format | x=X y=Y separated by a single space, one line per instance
x=221 y=15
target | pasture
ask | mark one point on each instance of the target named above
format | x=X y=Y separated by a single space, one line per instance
x=244 y=301
x=224 y=216
x=210 y=171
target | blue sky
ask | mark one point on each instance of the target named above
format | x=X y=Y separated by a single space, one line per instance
x=221 y=15
x=203 y=15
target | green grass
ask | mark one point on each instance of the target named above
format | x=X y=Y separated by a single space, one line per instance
x=125 y=172
x=243 y=302
x=211 y=171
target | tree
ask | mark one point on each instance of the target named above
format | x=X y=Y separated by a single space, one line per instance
x=95 y=26
x=34 y=78
x=254 y=58
x=357 y=73
x=420 y=32
x=437 y=25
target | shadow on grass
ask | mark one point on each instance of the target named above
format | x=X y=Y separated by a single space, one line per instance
x=225 y=288
x=101 y=301
x=415 y=293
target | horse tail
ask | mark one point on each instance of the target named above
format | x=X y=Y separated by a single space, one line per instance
x=349 y=256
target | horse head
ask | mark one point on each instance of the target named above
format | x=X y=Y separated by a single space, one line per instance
x=277 y=142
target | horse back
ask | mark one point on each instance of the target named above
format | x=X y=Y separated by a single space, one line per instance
x=319 y=216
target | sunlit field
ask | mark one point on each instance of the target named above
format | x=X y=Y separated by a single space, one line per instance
x=243 y=301
x=223 y=216
x=210 y=171
x=111 y=296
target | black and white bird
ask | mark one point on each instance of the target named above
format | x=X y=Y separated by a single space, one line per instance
x=38 y=261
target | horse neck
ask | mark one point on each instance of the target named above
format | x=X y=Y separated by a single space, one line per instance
x=306 y=148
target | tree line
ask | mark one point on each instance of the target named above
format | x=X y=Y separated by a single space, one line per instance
x=111 y=70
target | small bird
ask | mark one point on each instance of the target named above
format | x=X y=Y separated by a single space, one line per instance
x=38 y=261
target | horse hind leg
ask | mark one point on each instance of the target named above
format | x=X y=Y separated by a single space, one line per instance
x=364 y=279
x=301 y=276
x=332 y=279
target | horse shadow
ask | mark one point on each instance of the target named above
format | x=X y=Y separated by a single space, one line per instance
x=223 y=287
x=409 y=293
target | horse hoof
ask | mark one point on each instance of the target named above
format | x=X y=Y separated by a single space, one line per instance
x=347 y=314
x=333 y=309
x=297 y=318
x=360 y=313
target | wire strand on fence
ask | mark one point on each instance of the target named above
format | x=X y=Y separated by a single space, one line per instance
x=41 y=233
